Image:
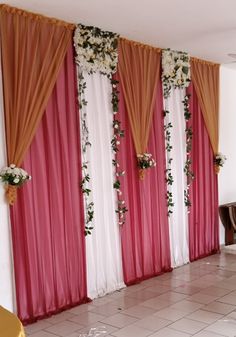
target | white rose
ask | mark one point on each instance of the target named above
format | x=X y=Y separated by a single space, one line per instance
x=16 y=180
x=17 y=171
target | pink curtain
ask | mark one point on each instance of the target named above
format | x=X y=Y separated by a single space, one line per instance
x=145 y=235
x=47 y=220
x=203 y=218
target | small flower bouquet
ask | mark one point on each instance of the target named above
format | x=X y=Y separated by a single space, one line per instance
x=145 y=161
x=13 y=177
x=219 y=161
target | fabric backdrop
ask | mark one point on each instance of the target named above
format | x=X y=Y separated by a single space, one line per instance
x=103 y=249
x=178 y=220
x=145 y=235
x=203 y=218
x=48 y=217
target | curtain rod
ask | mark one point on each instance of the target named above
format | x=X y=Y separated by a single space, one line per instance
x=35 y=16
x=72 y=26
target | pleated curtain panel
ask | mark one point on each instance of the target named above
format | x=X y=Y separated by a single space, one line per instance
x=206 y=79
x=103 y=248
x=139 y=71
x=33 y=48
x=48 y=216
x=203 y=216
x=145 y=235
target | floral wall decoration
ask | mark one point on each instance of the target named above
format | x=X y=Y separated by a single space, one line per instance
x=13 y=177
x=176 y=74
x=96 y=51
x=175 y=70
x=219 y=161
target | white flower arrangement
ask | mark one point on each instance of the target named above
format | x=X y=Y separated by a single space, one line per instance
x=175 y=70
x=14 y=176
x=96 y=50
x=145 y=161
x=220 y=159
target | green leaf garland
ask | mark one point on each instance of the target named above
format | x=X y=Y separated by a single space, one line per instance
x=176 y=74
x=188 y=163
x=118 y=134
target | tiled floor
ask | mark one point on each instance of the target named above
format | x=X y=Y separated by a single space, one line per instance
x=198 y=299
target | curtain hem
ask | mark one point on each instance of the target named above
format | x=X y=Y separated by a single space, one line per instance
x=53 y=312
x=146 y=277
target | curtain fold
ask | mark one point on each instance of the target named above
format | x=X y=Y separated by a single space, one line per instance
x=48 y=217
x=203 y=217
x=205 y=78
x=178 y=220
x=7 y=292
x=33 y=48
x=103 y=247
x=139 y=71
x=145 y=234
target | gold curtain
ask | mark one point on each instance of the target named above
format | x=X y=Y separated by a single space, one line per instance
x=205 y=76
x=33 y=48
x=139 y=70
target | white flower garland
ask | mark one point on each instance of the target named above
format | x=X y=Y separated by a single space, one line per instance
x=176 y=74
x=96 y=51
x=175 y=70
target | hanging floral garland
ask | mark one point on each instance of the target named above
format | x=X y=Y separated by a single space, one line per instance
x=115 y=142
x=188 y=163
x=176 y=74
x=96 y=51
x=89 y=205
x=169 y=176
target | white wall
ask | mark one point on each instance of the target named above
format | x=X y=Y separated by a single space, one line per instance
x=227 y=178
x=7 y=294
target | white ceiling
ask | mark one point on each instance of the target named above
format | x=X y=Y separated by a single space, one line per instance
x=204 y=28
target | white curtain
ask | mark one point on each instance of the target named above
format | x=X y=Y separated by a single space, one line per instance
x=103 y=248
x=7 y=294
x=178 y=220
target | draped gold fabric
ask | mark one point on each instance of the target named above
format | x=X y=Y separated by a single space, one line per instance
x=33 y=48
x=10 y=326
x=205 y=77
x=139 y=70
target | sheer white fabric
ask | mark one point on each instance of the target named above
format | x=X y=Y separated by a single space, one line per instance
x=7 y=294
x=178 y=221
x=103 y=248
